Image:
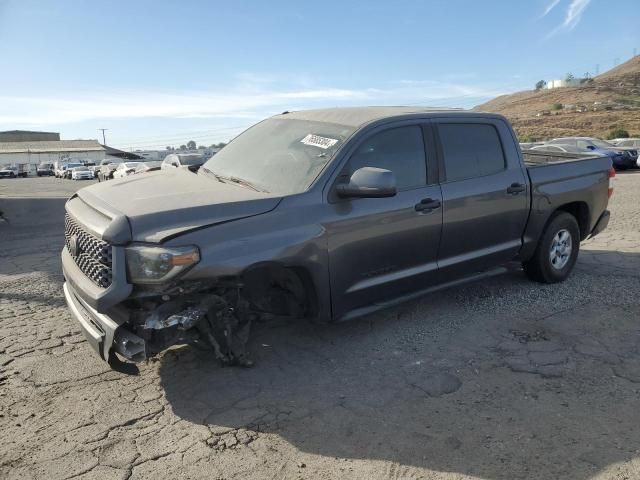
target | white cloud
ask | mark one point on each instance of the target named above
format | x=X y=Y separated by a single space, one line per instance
x=550 y=7
x=17 y=112
x=572 y=17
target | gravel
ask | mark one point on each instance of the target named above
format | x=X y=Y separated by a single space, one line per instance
x=499 y=379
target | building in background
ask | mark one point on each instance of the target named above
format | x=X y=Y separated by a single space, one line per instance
x=28 y=136
x=32 y=153
x=573 y=82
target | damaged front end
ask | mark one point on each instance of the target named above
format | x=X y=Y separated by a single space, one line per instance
x=217 y=316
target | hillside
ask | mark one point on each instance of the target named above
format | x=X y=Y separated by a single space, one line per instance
x=611 y=100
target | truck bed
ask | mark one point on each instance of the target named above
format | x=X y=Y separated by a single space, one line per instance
x=534 y=158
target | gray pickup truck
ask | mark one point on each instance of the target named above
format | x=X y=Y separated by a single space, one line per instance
x=324 y=214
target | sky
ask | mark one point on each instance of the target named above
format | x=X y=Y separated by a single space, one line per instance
x=160 y=73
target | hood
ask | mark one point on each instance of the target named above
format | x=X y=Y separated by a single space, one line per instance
x=164 y=204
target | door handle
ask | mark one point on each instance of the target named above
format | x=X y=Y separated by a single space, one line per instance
x=427 y=204
x=516 y=188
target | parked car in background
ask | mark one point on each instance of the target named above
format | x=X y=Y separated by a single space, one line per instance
x=124 y=169
x=59 y=169
x=529 y=145
x=9 y=172
x=14 y=171
x=145 y=167
x=81 y=173
x=107 y=167
x=550 y=148
x=69 y=168
x=192 y=161
x=633 y=143
x=622 y=158
x=45 y=170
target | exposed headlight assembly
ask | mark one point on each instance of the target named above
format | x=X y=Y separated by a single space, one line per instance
x=147 y=264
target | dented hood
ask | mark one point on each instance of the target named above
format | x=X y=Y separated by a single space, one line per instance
x=164 y=204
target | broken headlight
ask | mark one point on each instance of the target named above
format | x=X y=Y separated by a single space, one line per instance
x=152 y=264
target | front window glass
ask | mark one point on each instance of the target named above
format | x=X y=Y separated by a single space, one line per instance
x=400 y=150
x=280 y=155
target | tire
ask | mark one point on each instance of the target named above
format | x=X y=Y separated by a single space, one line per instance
x=547 y=266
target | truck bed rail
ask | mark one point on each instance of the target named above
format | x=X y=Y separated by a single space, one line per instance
x=538 y=157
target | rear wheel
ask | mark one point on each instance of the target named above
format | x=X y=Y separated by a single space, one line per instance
x=557 y=250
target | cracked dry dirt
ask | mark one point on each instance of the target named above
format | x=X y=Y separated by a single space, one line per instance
x=503 y=379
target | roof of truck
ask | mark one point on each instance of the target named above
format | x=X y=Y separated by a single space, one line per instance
x=358 y=116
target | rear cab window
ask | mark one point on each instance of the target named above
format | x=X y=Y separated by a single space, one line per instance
x=470 y=150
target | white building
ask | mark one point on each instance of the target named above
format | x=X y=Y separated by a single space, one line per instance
x=33 y=153
x=574 y=82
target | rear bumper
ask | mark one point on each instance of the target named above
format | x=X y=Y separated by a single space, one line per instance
x=601 y=224
x=104 y=332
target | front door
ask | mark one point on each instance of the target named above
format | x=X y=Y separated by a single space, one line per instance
x=383 y=248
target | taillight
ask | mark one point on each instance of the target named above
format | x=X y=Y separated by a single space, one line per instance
x=612 y=173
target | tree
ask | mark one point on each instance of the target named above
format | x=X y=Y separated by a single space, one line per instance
x=201 y=147
x=183 y=147
x=617 y=133
x=191 y=145
x=170 y=149
x=570 y=77
x=540 y=84
x=557 y=106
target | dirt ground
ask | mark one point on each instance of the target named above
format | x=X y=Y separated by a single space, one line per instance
x=502 y=379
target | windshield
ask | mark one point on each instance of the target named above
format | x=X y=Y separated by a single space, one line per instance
x=80 y=169
x=44 y=165
x=74 y=165
x=601 y=143
x=280 y=155
x=191 y=160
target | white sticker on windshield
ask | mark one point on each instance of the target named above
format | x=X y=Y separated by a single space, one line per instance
x=318 y=141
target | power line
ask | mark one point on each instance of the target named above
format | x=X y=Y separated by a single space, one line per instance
x=104 y=140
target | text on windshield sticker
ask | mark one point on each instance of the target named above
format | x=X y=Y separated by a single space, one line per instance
x=318 y=141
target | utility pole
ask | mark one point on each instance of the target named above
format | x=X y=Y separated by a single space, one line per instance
x=104 y=141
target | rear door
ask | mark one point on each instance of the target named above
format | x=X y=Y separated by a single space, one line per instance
x=485 y=195
x=384 y=248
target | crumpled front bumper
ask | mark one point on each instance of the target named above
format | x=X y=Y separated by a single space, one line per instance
x=104 y=332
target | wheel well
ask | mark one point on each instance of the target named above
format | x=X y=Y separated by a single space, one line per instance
x=580 y=211
x=274 y=288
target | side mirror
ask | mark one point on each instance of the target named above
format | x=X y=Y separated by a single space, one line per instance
x=369 y=182
x=590 y=147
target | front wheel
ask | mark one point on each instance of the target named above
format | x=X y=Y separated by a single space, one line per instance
x=557 y=250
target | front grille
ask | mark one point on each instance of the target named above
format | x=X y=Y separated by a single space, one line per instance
x=92 y=255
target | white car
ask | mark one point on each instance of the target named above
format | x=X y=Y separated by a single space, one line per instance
x=192 y=161
x=125 y=169
x=81 y=173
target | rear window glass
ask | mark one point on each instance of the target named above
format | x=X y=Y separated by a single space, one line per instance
x=470 y=150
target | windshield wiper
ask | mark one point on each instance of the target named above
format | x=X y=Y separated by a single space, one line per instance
x=237 y=180
x=246 y=183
